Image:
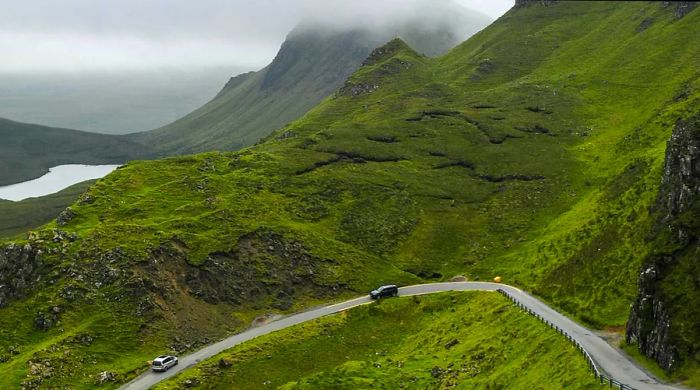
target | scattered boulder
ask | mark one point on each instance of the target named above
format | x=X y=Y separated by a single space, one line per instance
x=84 y=339
x=106 y=376
x=286 y=134
x=645 y=24
x=44 y=321
x=42 y=369
x=355 y=90
x=224 y=363
x=86 y=199
x=451 y=343
x=436 y=372
x=485 y=65
x=387 y=139
x=65 y=216
x=191 y=382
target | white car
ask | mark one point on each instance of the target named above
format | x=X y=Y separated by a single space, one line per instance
x=163 y=363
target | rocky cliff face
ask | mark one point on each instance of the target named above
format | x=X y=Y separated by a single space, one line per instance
x=19 y=266
x=680 y=8
x=664 y=318
x=523 y=3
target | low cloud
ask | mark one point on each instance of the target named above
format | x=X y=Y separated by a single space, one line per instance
x=75 y=35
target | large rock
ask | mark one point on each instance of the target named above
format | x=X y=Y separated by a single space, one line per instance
x=19 y=270
x=664 y=318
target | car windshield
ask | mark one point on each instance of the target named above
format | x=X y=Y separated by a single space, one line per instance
x=156 y=363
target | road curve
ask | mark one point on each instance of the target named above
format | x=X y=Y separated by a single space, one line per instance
x=608 y=359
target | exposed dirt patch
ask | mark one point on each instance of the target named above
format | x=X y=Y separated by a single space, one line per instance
x=538 y=110
x=387 y=139
x=500 y=179
x=460 y=163
x=351 y=157
x=535 y=129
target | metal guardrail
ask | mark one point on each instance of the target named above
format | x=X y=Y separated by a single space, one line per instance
x=599 y=375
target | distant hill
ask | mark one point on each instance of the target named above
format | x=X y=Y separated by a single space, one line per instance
x=20 y=217
x=27 y=151
x=313 y=62
x=109 y=102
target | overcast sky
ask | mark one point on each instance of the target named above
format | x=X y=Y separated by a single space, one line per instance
x=95 y=35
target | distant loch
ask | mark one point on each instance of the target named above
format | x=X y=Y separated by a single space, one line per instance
x=57 y=179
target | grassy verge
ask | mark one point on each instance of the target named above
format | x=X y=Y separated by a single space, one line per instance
x=464 y=340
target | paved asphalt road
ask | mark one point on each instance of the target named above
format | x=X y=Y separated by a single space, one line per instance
x=607 y=358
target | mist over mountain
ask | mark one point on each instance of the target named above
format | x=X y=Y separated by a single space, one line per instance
x=312 y=63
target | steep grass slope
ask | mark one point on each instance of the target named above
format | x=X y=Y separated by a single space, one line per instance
x=313 y=62
x=532 y=151
x=455 y=340
x=28 y=151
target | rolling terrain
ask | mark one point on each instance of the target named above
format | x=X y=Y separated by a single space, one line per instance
x=532 y=151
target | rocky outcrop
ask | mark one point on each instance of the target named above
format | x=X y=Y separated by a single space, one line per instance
x=523 y=3
x=19 y=270
x=65 y=216
x=681 y=8
x=357 y=89
x=385 y=52
x=264 y=267
x=671 y=276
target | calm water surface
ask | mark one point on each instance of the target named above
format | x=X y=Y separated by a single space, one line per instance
x=58 y=178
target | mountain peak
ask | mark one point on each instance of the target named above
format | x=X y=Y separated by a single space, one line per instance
x=386 y=51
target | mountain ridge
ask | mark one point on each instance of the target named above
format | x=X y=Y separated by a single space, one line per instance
x=532 y=152
x=313 y=61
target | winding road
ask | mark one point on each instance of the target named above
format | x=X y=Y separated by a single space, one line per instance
x=609 y=360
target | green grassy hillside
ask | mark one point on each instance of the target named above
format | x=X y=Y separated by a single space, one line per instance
x=28 y=151
x=532 y=151
x=456 y=340
x=313 y=62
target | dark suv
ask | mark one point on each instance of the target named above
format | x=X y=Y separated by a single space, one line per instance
x=384 y=291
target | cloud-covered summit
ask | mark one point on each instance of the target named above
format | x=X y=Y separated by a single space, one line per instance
x=49 y=35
